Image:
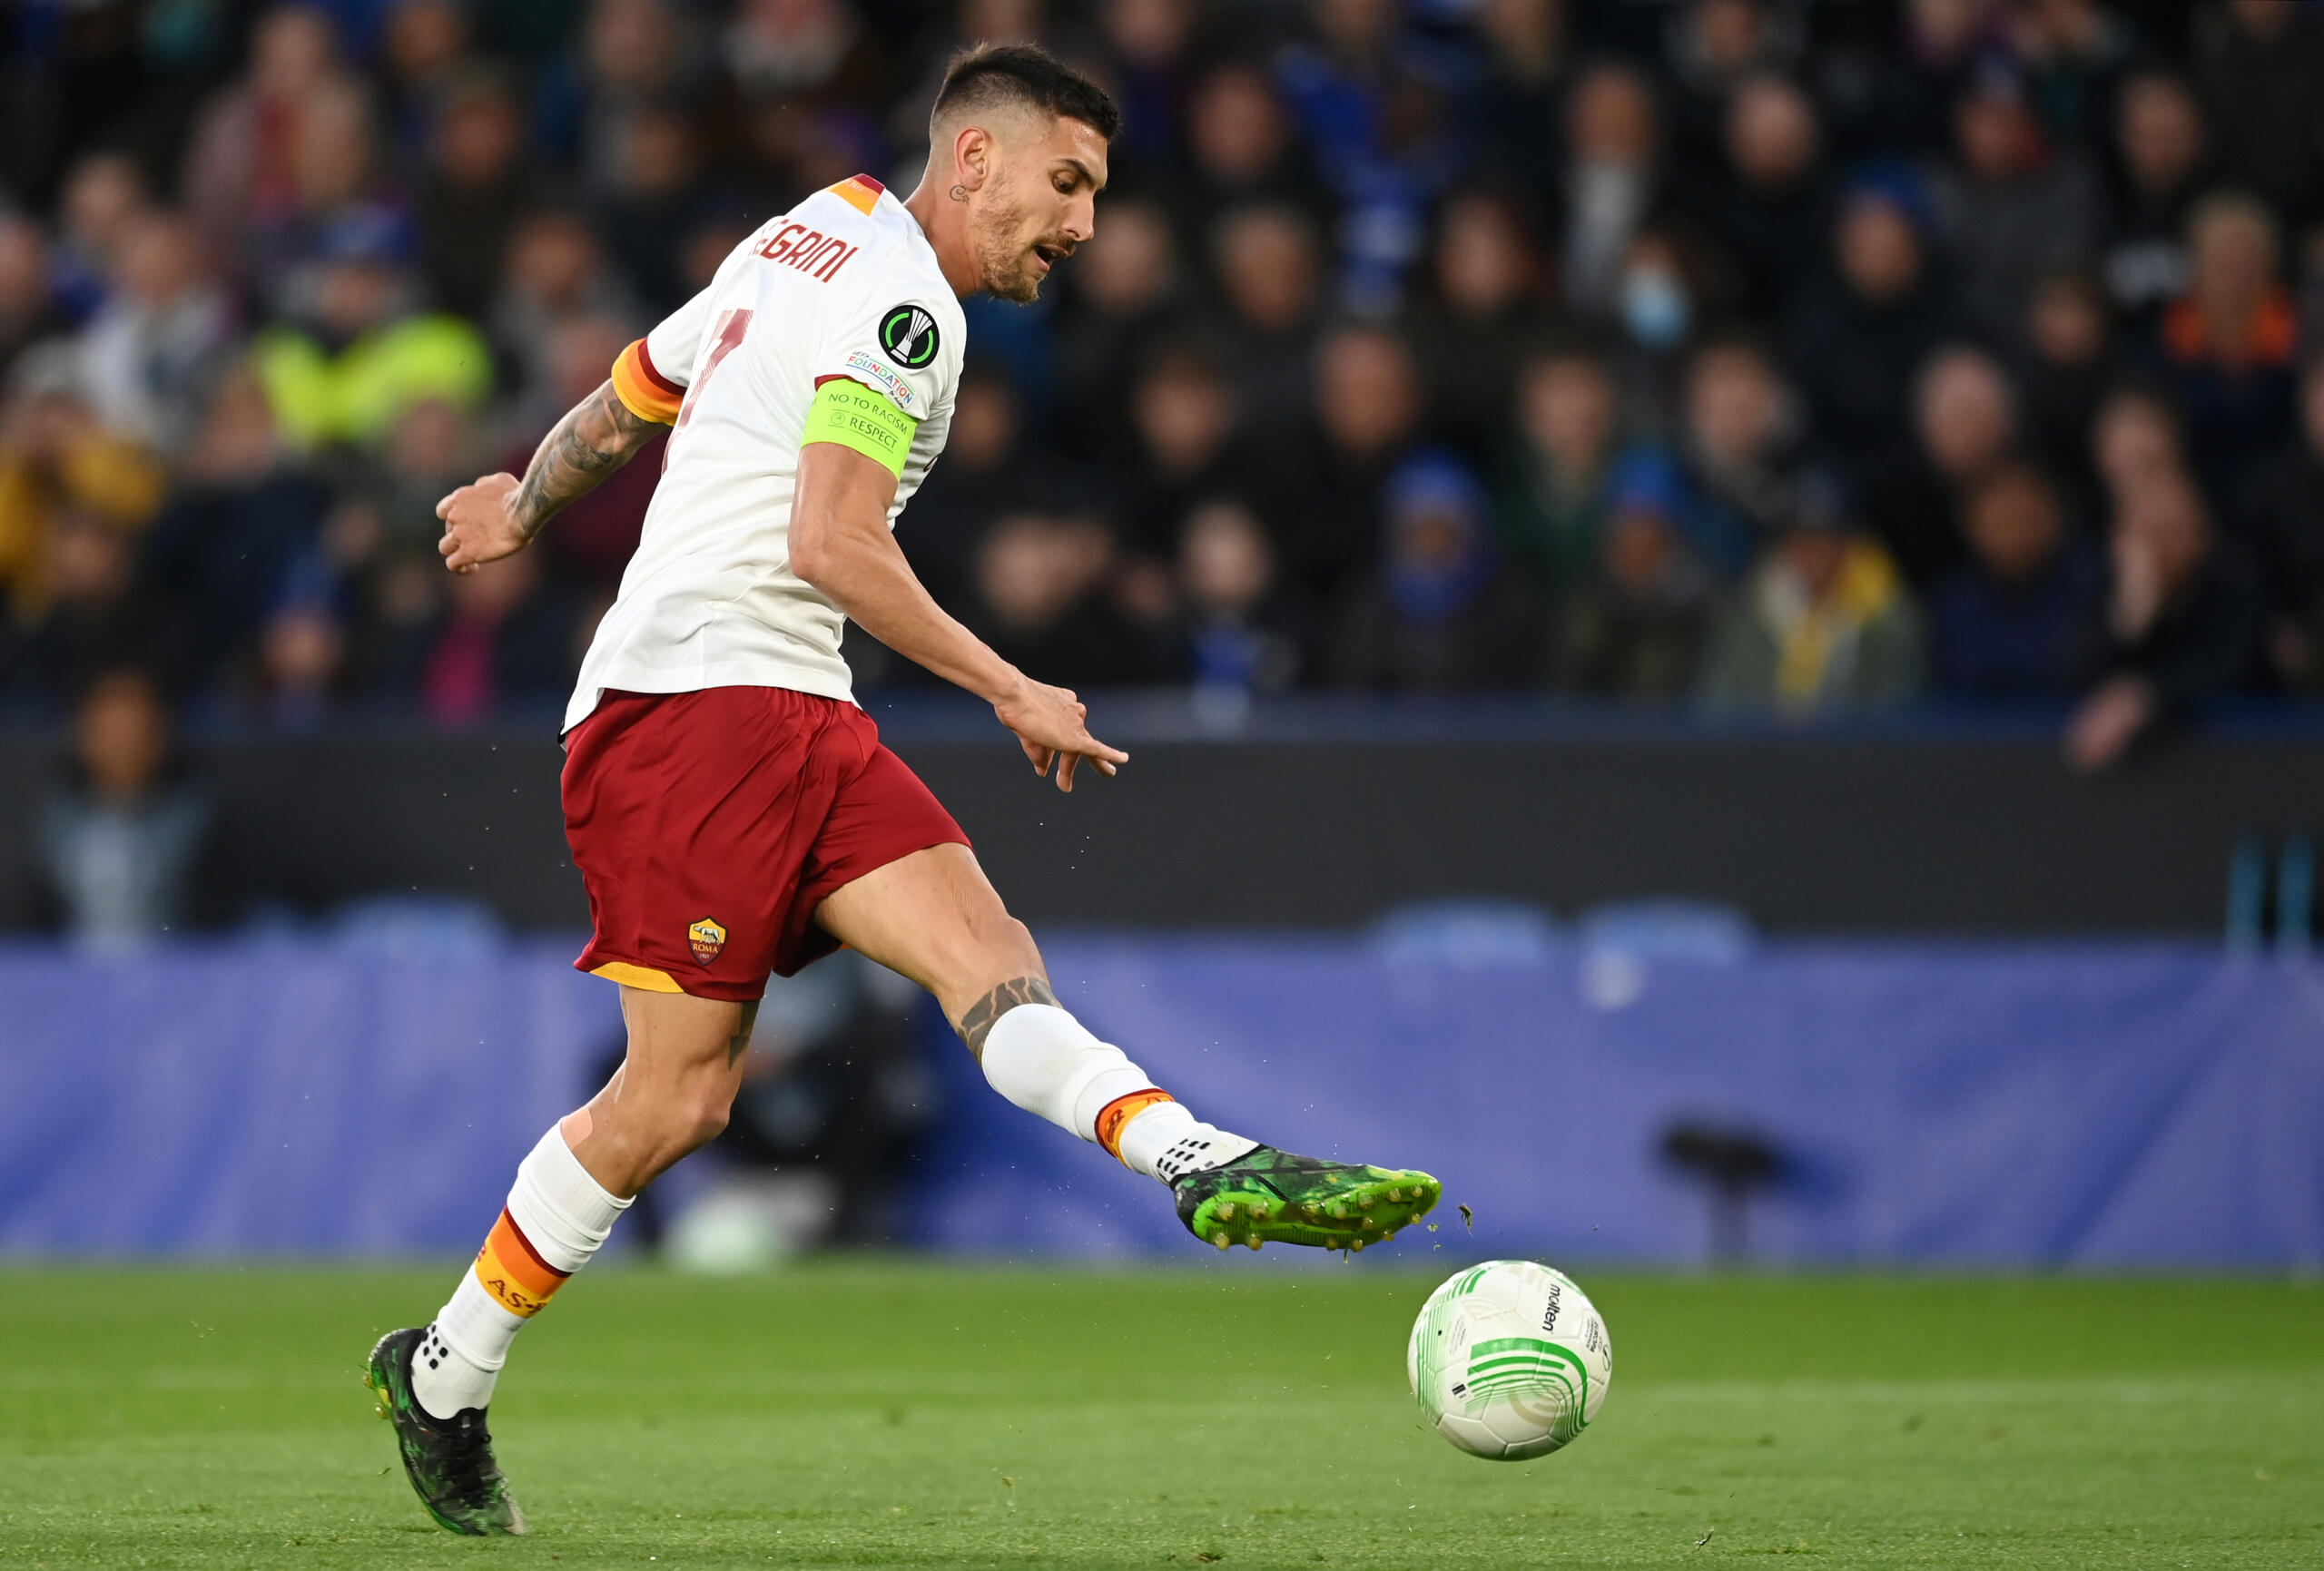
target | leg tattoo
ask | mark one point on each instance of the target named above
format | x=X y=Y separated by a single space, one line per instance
x=741 y=1036
x=977 y=1021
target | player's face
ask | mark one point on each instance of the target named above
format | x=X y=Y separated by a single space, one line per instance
x=1041 y=204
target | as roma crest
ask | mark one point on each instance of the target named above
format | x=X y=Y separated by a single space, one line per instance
x=706 y=939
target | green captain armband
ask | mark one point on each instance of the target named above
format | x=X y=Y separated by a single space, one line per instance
x=849 y=413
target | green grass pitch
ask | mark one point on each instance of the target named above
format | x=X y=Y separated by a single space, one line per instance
x=901 y=1414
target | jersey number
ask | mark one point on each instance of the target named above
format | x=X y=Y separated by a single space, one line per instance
x=732 y=326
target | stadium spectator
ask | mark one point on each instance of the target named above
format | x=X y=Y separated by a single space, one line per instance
x=2136 y=440
x=95 y=616
x=104 y=200
x=2183 y=624
x=1440 y=614
x=555 y=274
x=1488 y=303
x=423 y=47
x=2016 y=621
x=149 y=354
x=56 y=458
x=2282 y=520
x=242 y=511
x=2072 y=54
x=1965 y=424
x=1551 y=501
x=2015 y=207
x=1711 y=48
x=1242 y=150
x=1516 y=103
x=1854 y=342
x=634 y=56
x=29 y=309
x=502 y=640
x=1268 y=272
x=1184 y=416
x=1125 y=301
x=1611 y=183
x=1824 y=624
x=1039 y=599
x=1739 y=429
x=245 y=152
x=1770 y=204
x=345 y=368
x=1245 y=633
x=2160 y=154
x=121 y=846
x=2229 y=344
x=2261 y=65
x=1633 y=626
x=1368 y=408
x=477 y=183
x=2063 y=373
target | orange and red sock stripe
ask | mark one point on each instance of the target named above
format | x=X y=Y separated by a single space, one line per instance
x=513 y=1272
x=1115 y=1116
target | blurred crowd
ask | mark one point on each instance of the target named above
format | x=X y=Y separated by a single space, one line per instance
x=1767 y=355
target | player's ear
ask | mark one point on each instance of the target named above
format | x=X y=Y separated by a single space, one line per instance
x=972 y=156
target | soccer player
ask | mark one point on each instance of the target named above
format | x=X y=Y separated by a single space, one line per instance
x=730 y=809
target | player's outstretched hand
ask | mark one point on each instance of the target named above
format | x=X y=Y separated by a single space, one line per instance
x=1050 y=726
x=477 y=527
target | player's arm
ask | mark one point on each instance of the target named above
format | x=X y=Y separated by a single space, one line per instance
x=839 y=543
x=499 y=515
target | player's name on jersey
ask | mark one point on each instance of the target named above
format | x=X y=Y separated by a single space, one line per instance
x=812 y=252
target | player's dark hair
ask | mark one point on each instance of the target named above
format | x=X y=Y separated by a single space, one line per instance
x=989 y=75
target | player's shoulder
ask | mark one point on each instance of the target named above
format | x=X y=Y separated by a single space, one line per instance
x=903 y=261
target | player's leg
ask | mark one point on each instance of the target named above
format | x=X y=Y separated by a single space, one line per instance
x=934 y=916
x=670 y=1095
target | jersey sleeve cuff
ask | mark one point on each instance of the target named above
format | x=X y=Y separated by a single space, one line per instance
x=642 y=389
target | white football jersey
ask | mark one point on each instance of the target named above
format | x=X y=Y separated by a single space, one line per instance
x=843 y=285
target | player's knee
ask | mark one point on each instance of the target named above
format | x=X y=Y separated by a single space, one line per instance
x=1007 y=943
x=704 y=1114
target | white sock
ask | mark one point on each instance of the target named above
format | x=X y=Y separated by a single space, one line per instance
x=556 y=1218
x=1046 y=1062
x=1167 y=1142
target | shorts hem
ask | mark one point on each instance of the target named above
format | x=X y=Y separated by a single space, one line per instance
x=653 y=979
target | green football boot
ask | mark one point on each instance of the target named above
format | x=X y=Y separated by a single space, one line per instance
x=449 y=1461
x=1270 y=1196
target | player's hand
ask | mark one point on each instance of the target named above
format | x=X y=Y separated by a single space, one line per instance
x=477 y=527
x=1050 y=726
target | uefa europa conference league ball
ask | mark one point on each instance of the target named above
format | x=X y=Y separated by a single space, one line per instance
x=1510 y=1360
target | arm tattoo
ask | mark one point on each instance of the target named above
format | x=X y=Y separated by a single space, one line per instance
x=596 y=437
x=976 y=1022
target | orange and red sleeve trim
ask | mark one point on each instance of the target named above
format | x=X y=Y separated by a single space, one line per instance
x=642 y=389
x=512 y=1271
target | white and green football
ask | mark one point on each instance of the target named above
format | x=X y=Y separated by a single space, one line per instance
x=1510 y=1360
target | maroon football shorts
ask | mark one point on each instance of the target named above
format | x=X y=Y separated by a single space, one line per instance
x=708 y=826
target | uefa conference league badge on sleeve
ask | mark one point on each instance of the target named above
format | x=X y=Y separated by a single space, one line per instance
x=909 y=335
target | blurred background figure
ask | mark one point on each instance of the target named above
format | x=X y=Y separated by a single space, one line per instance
x=2018 y=618
x=1442 y=615
x=1824 y=624
x=122 y=844
x=2183 y=624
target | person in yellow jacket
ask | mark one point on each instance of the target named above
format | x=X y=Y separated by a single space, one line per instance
x=55 y=455
x=361 y=359
x=1825 y=623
